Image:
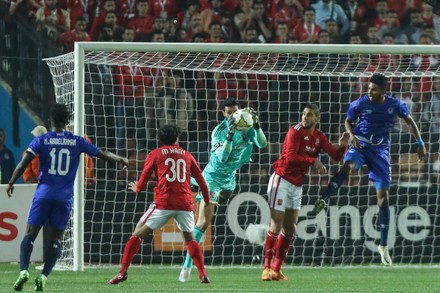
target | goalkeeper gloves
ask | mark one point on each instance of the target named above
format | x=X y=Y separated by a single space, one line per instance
x=255 y=118
x=232 y=125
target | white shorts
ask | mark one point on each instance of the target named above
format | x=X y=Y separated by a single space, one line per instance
x=283 y=194
x=156 y=218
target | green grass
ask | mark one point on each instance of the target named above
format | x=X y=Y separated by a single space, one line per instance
x=247 y=279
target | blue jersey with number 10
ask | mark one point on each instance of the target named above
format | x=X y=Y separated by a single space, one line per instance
x=59 y=154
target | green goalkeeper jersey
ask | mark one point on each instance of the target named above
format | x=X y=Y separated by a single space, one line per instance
x=226 y=157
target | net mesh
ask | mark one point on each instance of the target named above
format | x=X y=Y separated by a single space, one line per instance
x=129 y=95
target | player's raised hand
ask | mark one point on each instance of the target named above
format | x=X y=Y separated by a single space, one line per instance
x=254 y=116
x=421 y=152
x=320 y=167
x=344 y=139
x=133 y=185
x=10 y=189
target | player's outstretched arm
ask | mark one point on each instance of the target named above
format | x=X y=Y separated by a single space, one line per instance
x=421 y=149
x=25 y=161
x=111 y=157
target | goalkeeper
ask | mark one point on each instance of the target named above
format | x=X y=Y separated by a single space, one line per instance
x=230 y=149
x=375 y=115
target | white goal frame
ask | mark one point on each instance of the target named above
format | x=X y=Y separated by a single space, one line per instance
x=79 y=77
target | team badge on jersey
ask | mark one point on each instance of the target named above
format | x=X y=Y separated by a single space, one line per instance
x=279 y=202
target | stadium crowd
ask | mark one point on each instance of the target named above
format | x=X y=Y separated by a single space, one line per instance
x=242 y=21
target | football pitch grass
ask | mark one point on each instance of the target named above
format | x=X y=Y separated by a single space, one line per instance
x=144 y=279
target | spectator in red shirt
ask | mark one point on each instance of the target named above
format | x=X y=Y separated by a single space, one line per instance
x=307 y=30
x=98 y=21
x=301 y=147
x=142 y=23
x=162 y=8
x=381 y=11
x=215 y=33
x=86 y=9
x=52 y=19
x=184 y=17
x=373 y=36
x=213 y=13
x=289 y=12
x=78 y=34
x=356 y=12
x=125 y=11
x=282 y=34
x=194 y=26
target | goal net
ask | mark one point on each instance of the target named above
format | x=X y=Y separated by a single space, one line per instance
x=126 y=91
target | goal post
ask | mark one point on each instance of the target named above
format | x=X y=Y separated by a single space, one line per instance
x=184 y=83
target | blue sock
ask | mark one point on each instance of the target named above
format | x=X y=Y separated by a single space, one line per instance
x=26 y=247
x=384 y=222
x=334 y=184
x=198 y=234
x=52 y=255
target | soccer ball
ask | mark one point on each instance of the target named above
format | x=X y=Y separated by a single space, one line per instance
x=244 y=119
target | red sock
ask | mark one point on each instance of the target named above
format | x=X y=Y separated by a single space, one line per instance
x=271 y=239
x=281 y=249
x=131 y=248
x=196 y=254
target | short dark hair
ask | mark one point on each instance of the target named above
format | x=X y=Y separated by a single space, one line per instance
x=230 y=102
x=379 y=79
x=168 y=134
x=60 y=114
x=314 y=107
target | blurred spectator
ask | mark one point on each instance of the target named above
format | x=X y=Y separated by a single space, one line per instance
x=162 y=8
x=250 y=35
x=98 y=21
x=228 y=84
x=79 y=34
x=355 y=39
x=198 y=38
x=7 y=161
x=430 y=30
x=184 y=17
x=262 y=24
x=331 y=26
x=215 y=33
x=356 y=11
x=289 y=12
x=32 y=171
x=402 y=7
x=373 y=36
x=427 y=13
x=307 y=30
x=170 y=30
x=323 y=37
x=194 y=26
x=392 y=26
x=142 y=23
x=81 y=8
x=243 y=14
x=105 y=34
x=327 y=9
x=213 y=13
x=230 y=32
x=52 y=19
x=27 y=8
x=425 y=62
x=381 y=13
x=282 y=34
x=125 y=11
x=415 y=28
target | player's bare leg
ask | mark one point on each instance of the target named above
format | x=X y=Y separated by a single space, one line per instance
x=131 y=248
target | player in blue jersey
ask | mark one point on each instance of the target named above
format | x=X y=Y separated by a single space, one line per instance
x=230 y=149
x=369 y=122
x=59 y=152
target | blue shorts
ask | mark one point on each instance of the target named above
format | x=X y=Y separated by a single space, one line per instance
x=49 y=212
x=377 y=160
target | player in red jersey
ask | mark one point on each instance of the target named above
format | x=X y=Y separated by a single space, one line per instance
x=301 y=147
x=173 y=167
